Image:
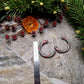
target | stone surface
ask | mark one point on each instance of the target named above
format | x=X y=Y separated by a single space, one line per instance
x=16 y=59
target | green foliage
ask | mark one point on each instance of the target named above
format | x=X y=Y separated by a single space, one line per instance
x=2 y=4
x=19 y=7
x=75 y=15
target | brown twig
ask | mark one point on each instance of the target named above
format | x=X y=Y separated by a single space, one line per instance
x=10 y=26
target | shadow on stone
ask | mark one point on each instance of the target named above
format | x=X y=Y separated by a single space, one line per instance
x=10 y=61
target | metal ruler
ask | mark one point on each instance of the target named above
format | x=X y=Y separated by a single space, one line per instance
x=36 y=63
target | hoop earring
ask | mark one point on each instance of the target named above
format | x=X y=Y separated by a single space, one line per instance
x=67 y=49
x=51 y=54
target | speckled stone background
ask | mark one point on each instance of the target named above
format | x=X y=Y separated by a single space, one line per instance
x=16 y=59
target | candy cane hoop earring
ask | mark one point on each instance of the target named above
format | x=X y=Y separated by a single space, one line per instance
x=68 y=47
x=51 y=54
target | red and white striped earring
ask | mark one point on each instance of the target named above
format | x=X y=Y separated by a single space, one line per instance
x=67 y=49
x=51 y=54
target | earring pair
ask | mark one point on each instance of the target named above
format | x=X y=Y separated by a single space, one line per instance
x=51 y=54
